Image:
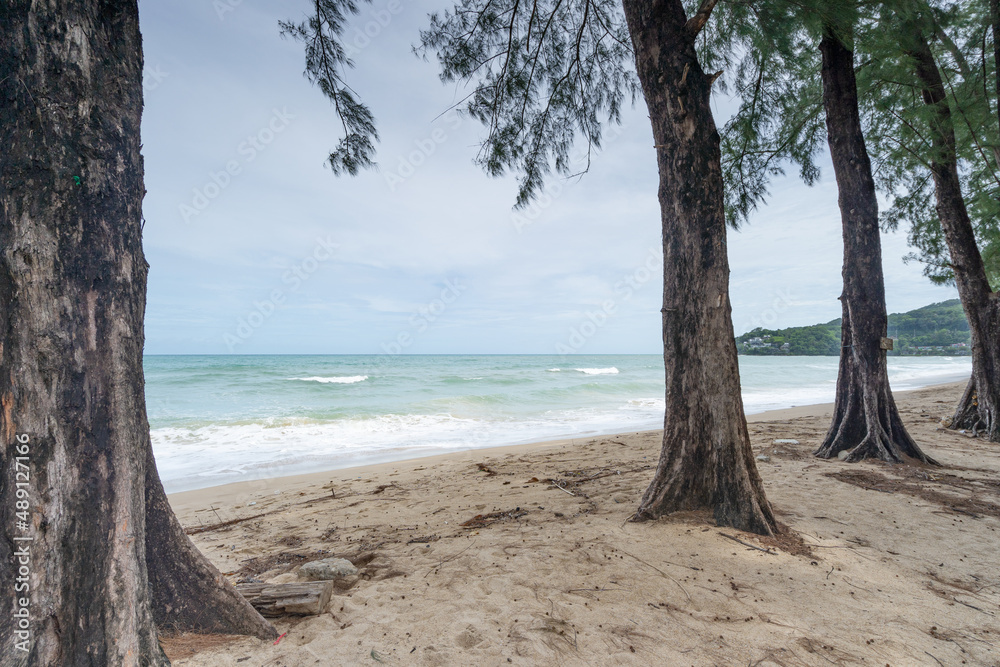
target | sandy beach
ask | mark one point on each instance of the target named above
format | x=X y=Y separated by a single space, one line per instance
x=883 y=565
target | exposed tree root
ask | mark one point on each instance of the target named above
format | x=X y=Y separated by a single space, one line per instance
x=735 y=494
x=188 y=593
x=971 y=416
x=866 y=421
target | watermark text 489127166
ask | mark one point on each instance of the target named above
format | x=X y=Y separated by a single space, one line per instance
x=22 y=543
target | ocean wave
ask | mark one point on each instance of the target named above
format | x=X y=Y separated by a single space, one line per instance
x=941 y=369
x=460 y=379
x=342 y=379
x=657 y=403
x=254 y=424
x=204 y=455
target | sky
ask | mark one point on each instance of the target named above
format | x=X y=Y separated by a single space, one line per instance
x=255 y=247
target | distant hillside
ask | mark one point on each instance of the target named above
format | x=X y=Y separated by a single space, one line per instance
x=937 y=329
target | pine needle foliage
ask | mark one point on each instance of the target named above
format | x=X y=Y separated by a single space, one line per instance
x=326 y=61
x=541 y=73
x=899 y=124
x=770 y=59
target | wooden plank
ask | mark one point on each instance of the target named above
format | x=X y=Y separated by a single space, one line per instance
x=300 y=599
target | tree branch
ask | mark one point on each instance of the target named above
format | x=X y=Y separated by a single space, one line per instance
x=700 y=18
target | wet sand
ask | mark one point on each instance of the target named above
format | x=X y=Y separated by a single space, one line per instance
x=893 y=565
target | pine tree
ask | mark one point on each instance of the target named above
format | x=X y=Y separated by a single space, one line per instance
x=784 y=105
x=90 y=543
x=546 y=74
x=934 y=125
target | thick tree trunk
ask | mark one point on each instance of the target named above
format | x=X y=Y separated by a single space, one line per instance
x=73 y=523
x=706 y=460
x=189 y=594
x=979 y=409
x=866 y=422
x=72 y=294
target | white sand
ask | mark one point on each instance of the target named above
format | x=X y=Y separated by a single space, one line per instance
x=905 y=575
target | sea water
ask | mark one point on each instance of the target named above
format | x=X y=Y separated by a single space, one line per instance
x=225 y=418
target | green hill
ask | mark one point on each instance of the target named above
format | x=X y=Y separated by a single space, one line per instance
x=937 y=329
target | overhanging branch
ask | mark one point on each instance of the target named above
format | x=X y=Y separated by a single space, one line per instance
x=700 y=18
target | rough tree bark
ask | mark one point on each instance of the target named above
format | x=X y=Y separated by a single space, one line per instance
x=866 y=422
x=979 y=409
x=72 y=300
x=189 y=593
x=706 y=460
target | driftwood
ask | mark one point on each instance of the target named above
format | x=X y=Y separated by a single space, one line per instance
x=302 y=599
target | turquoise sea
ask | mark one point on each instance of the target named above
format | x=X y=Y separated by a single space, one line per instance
x=225 y=418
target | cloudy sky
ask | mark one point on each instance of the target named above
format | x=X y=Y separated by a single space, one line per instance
x=255 y=247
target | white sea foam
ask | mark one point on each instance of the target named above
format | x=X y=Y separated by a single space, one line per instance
x=194 y=457
x=291 y=432
x=342 y=379
x=554 y=370
x=933 y=370
x=656 y=403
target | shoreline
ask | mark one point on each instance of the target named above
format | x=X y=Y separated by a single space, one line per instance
x=524 y=555
x=273 y=427
x=230 y=492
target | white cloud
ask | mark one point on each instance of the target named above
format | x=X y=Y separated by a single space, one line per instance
x=397 y=245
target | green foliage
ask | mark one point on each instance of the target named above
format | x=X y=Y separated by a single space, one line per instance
x=943 y=316
x=770 y=57
x=816 y=340
x=541 y=73
x=899 y=124
x=937 y=325
x=545 y=72
x=325 y=59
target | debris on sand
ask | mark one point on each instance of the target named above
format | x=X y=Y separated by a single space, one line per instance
x=484 y=520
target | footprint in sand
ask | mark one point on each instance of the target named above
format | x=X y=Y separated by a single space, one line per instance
x=469 y=638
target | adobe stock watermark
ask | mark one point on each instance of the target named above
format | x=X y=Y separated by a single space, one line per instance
x=529 y=215
x=152 y=77
x=293 y=278
x=246 y=152
x=360 y=39
x=624 y=290
x=422 y=319
x=423 y=150
x=379 y=20
x=223 y=7
x=783 y=300
x=21 y=558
